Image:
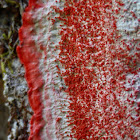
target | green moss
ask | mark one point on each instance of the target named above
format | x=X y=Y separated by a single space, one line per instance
x=2 y=67
x=11 y=1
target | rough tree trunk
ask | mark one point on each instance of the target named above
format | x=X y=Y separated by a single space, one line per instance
x=82 y=67
x=14 y=107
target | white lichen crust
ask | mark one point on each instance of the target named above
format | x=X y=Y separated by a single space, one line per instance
x=53 y=96
x=15 y=91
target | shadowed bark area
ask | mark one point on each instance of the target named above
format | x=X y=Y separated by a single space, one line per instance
x=14 y=107
x=3 y=112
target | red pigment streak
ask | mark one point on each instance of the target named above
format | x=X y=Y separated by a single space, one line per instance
x=95 y=71
x=29 y=57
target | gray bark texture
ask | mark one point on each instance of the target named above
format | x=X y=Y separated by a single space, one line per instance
x=15 y=112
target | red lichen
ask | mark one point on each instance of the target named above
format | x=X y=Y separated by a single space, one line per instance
x=96 y=63
x=96 y=66
x=29 y=57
